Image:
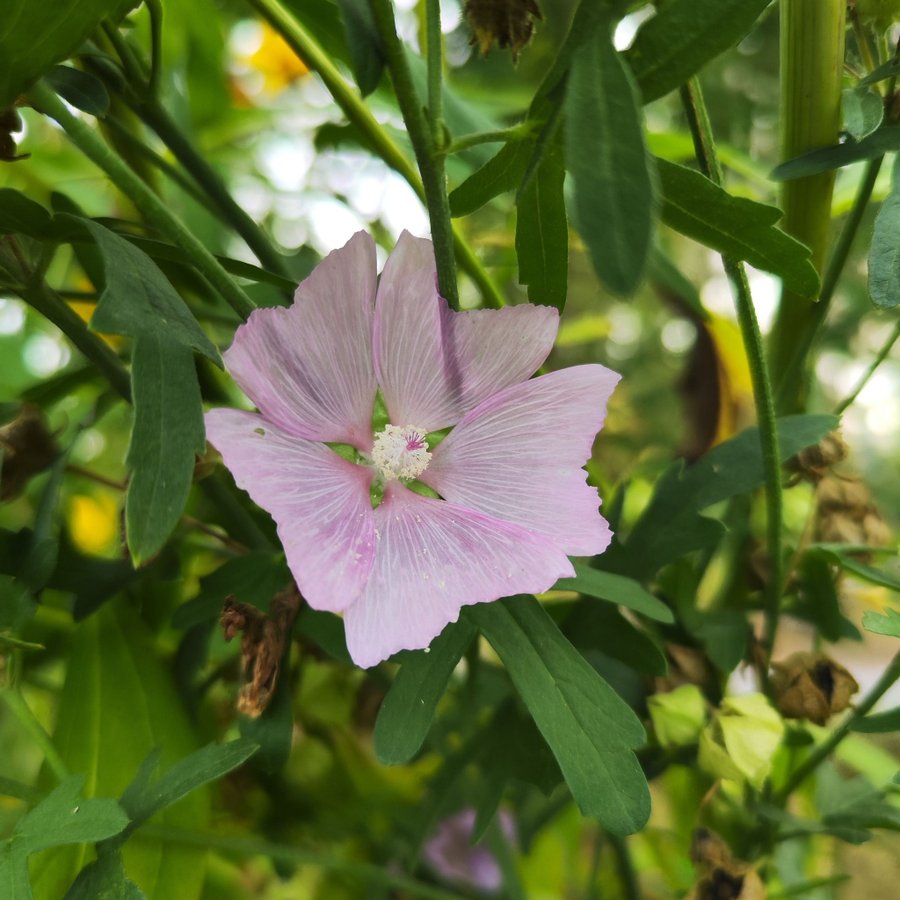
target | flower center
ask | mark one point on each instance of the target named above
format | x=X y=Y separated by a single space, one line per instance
x=400 y=452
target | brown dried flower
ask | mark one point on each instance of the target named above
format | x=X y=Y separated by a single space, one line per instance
x=847 y=515
x=723 y=877
x=27 y=448
x=508 y=22
x=811 y=686
x=814 y=462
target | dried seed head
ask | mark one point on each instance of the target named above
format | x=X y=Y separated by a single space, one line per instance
x=811 y=686
x=846 y=513
x=26 y=448
x=814 y=462
x=723 y=877
x=508 y=22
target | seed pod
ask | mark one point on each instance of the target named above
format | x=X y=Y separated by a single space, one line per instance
x=508 y=22
x=811 y=686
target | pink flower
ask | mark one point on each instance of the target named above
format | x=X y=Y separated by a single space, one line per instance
x=513 y=499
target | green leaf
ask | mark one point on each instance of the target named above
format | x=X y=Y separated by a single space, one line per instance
x=590 y=729
x=616 y=589
x=22 y=215
x=835 y=553
x=138 y=300
x=166 y=436
x=80 y=89
x=684 y=36
x=881 y=141
x=879 y=723
x=141 y=799
x=117 y=705
x=408 y=709
x=501 y=173
x=740 y=228
x=863 y=111
x=890 y=69
x=542 y=234
x=104 y=879
x=888 y=624
x=366 y=57
x=31 y=40
x=671 y=524
x=884 y=254
x=613 y=193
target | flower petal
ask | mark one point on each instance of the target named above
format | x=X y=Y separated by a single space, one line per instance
x=431 y=559
x=308 y=368
x=319 y=501
x=434 y=364
x=519 y=456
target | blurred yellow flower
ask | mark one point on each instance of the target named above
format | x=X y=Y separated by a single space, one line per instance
x=735 y=385
x=93 y=523
x=275 y=61
x=84 y=309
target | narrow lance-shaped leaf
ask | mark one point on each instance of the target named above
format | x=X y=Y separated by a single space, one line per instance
x=502 y=172
x=735 y=226
x=590 y=729
x=166 y=437
x=409 y=707
x=366 y=56
x=882 y=140
x=542 y=234
x=684 y=36
x=616 y=589
x=884 y=254
x=613 y=194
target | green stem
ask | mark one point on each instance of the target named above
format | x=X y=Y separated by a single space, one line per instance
x=500 y=136
x=153 y=209
x=812 y=58
x=356 y=111
x=880 y=357
x=793 y=372
x=292 y=855
x=431 y=163
x=704 y=143
x=16 y=704
x=435 y=62
x=824 y=750
x=627 y=874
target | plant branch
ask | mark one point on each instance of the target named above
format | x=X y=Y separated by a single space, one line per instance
x=153 y=209
x=704 y=144
x=824 y=750
x=356 y=111
x=880 y=357
x=16 y=704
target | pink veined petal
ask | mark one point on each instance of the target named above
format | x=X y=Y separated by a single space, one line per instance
x=431 y=559
x=434 y=364
x=319 y=501
x=519 y=456
x=308 y=368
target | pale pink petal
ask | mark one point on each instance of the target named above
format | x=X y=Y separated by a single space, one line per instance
x=434 y=364
x=308 y=368
x=518 y=456
x=319 y=501
x=431 y=559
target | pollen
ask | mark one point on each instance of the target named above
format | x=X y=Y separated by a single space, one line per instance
x=400 y=452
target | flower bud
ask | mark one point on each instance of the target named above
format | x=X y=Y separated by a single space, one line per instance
x=811 y=686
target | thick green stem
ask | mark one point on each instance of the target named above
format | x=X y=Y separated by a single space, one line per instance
x=705 y=148
x=435 y=62
x=431 y=163
x=356 y=111
x=151 y=207
x=812 y=59
x=890 y=675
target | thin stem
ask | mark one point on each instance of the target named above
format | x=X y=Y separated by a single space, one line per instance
x=880 y=357
x=96 y=477
x=431 y=164
x=704 y=144
x=154 y=209
x=16 y=704
x=247 y=847
x=435 y=62
x=827 y=747
x=500 y=136
x=315 y=58
x=630 y=884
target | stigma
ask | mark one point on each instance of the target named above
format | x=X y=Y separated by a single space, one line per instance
x=400 y=452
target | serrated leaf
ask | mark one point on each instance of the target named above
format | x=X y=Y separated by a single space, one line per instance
x=888 y=624
x=590 y=729
x=613 y=193
x=366 y=57
x=884 y=253
x=671 y=524
x=31 y=41
x=501 y=173
x=740 y=228
x=862 y=110
x=616 y=589
x=138 y=300
x=166 y=437
x=542 y=234
x=119 y=703
x=881 y=141
x=684 y=36
x=408 y=709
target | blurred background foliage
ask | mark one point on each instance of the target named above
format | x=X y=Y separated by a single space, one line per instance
x=319 y=822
